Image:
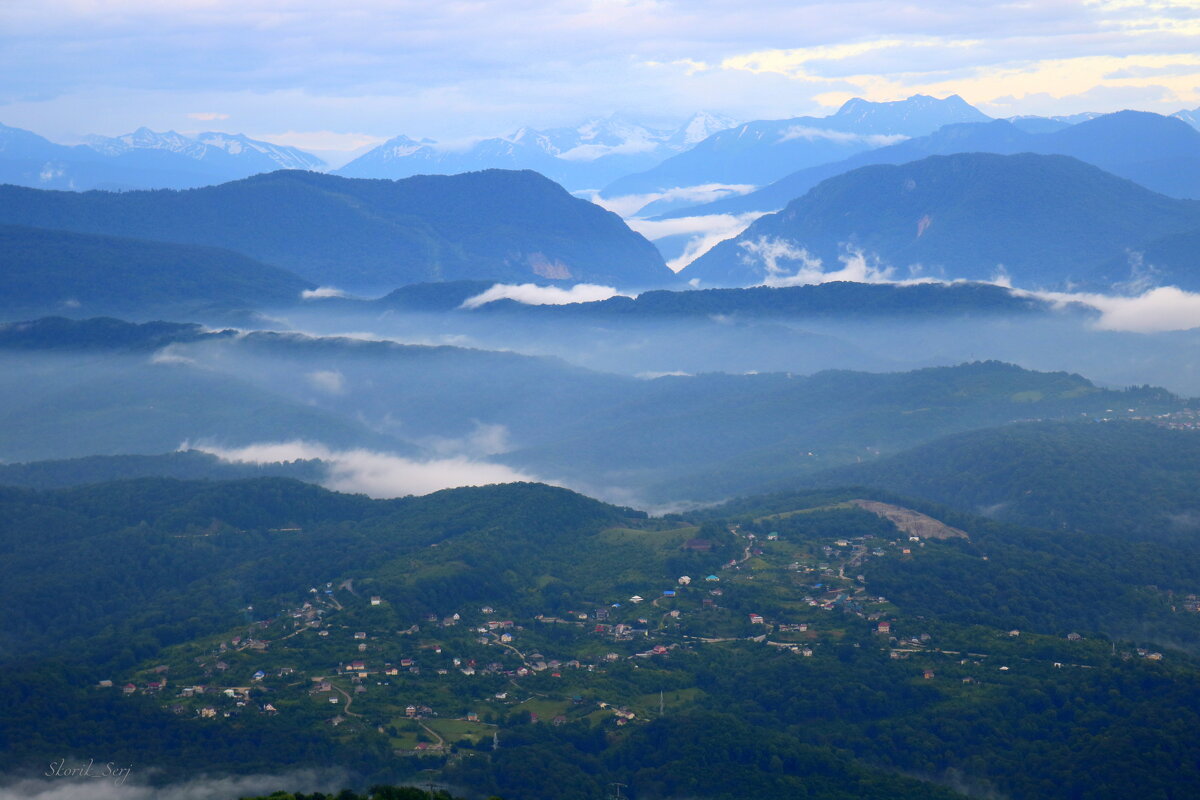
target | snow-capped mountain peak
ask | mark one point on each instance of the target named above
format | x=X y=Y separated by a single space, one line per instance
x=262 y=156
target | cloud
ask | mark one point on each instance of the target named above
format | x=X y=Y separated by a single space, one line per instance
x=787 y=264
x=484 y=440
x=205 y=788
x=170 y=355
x=377 y=474
x=707 y=231
x=321 y=292
x=1158 y=310
x=326 y=380
x=1138 y=307
x=207 y=116
x=811 y=134
x=628 y=205
x=533 y=295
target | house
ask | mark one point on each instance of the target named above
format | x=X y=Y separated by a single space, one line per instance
x=883 y=627
x=712 y=579
x=506 y=637
x=636 y=599
x=472 y=716
x=393 y=671
x=928 y=674
x=129 y=688
x=684 y=580
x=756 y=619
x=360 y=635
x=376 y=600
x=668 y=593
x=1073 y=637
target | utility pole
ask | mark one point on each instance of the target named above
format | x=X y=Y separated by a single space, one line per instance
x=660 y=702
x=617 y=789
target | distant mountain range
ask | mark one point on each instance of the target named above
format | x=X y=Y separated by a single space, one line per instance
x=1160 y=153
x=763 y=151
x=583 y=157
x=1046 y=221
x=143 y=159
x=372 y=235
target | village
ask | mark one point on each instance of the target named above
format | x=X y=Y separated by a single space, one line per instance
x=349 y=658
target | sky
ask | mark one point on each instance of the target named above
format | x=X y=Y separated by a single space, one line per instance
x=336 y=76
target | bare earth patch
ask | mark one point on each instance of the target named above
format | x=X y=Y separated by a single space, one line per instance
x=914 y=523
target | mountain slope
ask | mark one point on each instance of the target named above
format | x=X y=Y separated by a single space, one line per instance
x=373 y=235
x=1045 y=220
x=47 y=271
x=763 y=151
x=1047 y=474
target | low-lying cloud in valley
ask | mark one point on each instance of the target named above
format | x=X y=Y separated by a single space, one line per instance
x=1157 y=310
x=533 y=295
x=374 y=473
x=203 y=788
x=805 y=269
x=628 y=205
x=706 y=231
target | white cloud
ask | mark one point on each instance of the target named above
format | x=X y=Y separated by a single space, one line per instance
x=330 y=381
x=170 y=355
x=787 y=264
x=533 y=295
x=810 y=134
x=204 y=788
x=707 y=231
x=374 y=473
x=484 y=440
x=321 y=292
x=1165 y=308
x=627 y=205
x=207 y=116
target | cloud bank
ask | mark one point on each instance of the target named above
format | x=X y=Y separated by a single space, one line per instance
x=706 y=231
x=199 y=789
x=373 y=473
x=533 y=295
x=1142 y=308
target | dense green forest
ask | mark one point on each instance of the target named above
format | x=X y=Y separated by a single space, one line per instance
x=1019 y=661
x=1133 y=479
